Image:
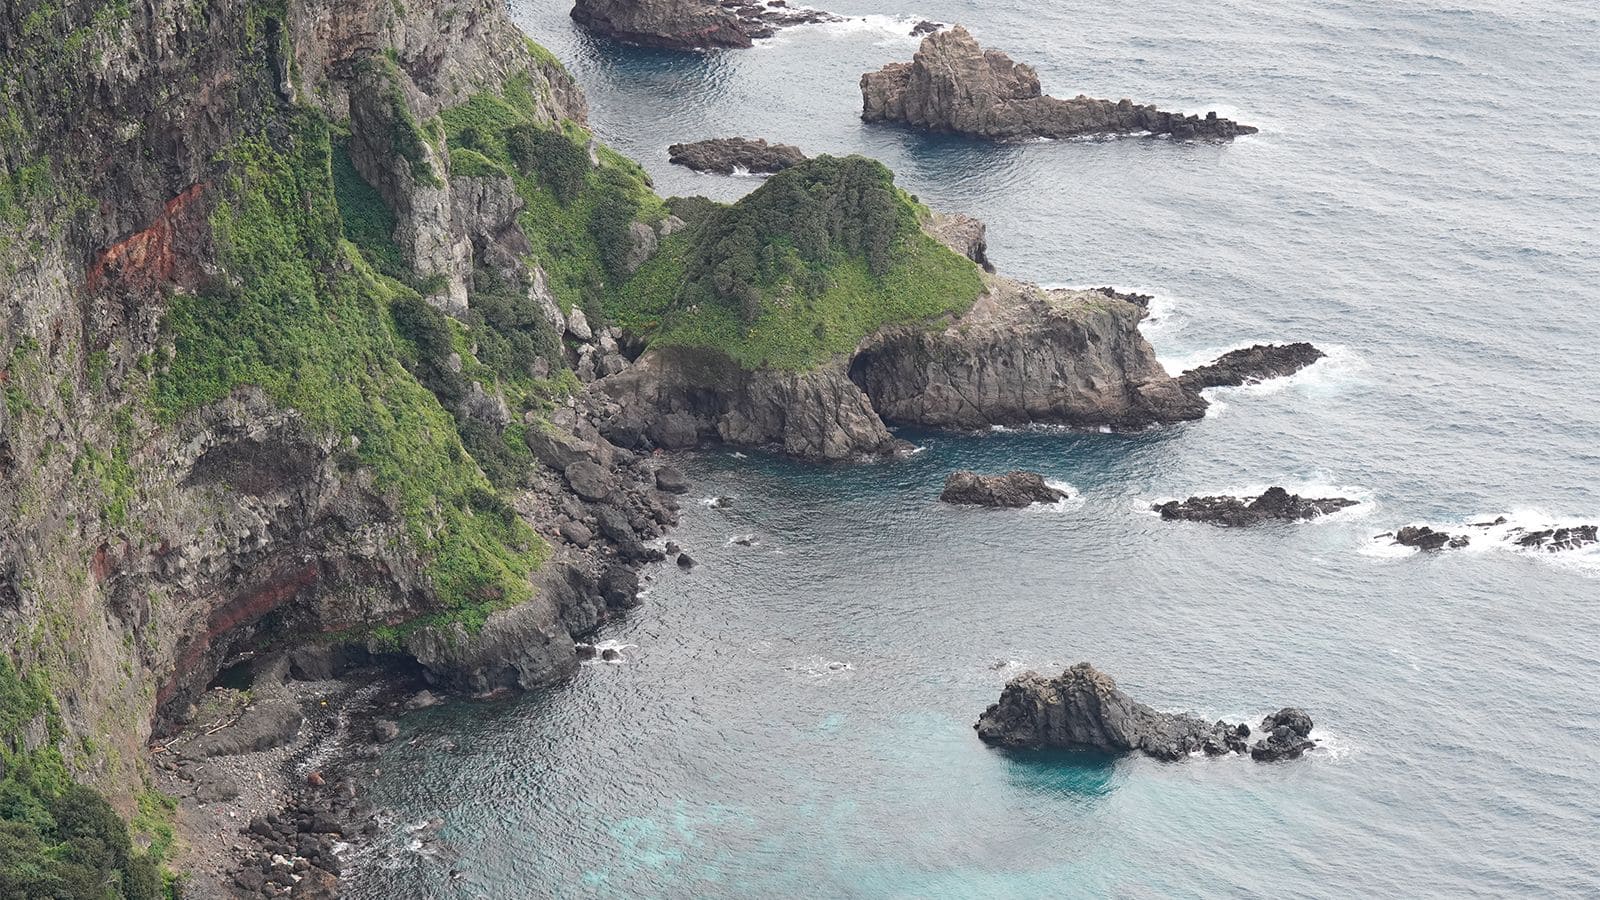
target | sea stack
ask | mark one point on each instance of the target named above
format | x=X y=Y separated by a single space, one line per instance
x=954 y=85
x=1012 y=490
x=1083 y=709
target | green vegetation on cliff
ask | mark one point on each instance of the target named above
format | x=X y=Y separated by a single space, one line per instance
x=59 y=839
x=306 y=318
x=578 y=209
x=800 y=270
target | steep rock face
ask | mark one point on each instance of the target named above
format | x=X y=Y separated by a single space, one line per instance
x=147 y=538
x=952 y=84
x=678 y=397
x=723 y=156
x=1025 y=355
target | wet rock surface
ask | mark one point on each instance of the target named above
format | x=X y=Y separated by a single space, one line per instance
x=954 y=85
x=724 y=156
x=1274 y=504
x=1251 y=364
x=1545 y=539
x=1083 y=709
x=1011 y=490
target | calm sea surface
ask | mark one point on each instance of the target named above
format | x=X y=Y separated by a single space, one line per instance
x=794 y=718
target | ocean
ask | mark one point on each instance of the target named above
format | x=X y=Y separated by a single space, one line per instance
x=794 y=717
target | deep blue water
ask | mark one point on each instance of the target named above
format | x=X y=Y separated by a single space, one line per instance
x=794 y=718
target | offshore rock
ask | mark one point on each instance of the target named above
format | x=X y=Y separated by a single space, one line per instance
x=1550 y=539
x=1012 y=490
x=690 y=24
x=954 y=85
x=1252 y=364
x=1083 y=709
x=1288 y=736
x=1424 y=538
x=1274 y=504
x=724 y=156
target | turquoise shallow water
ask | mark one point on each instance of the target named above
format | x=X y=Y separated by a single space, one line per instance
x=794 y=718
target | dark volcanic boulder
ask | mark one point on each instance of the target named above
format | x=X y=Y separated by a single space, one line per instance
x=723 y=156
x=1252 y=364
x=954 y=85
x=1424 y=538
x=1287 y=736
x=1083 y=709
x=1296 y=719
x=1556 y=539
x=1012 y=490
x=1274 y=504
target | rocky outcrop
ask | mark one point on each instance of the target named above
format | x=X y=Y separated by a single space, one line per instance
x=1024 y=355
x=1083 y=709
x=1286 y=735
x=954 y=85
x=679 y=397
x=1251 y=364
x=724 y=156
x=1273 y=505
x=1549 y=539
x=1424 y=538
x=691 y=24
x=962 y=233
x=1013 y=490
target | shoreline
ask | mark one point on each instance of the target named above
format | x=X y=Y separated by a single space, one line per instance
x=287 y=820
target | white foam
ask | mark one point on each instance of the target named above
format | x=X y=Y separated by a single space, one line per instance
x=1071 y=502
x=737 y=455
x=1332 y=745
x=889 y=30
x=819 y=667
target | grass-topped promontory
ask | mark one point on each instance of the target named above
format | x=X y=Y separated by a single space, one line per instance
x=799 y=271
